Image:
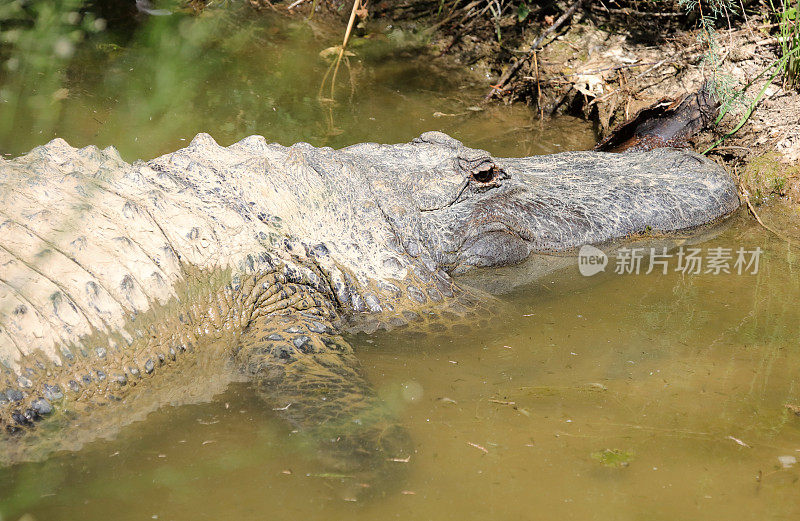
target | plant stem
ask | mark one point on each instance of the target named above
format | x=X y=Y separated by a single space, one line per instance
x=778 y=65
x=356 y=5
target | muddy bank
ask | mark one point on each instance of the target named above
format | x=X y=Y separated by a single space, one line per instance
x=608 y=64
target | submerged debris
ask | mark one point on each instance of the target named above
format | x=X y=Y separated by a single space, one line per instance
x=787 y=461
x=481 y=447
x=400 y=460
x=613 y=457
x=738 y=441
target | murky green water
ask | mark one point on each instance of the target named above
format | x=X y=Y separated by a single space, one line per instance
x=640 y=397
x=236 y=74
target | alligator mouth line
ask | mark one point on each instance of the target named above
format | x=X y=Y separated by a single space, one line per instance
x=494 y=226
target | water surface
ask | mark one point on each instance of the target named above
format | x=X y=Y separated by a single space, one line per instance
x=235 y=73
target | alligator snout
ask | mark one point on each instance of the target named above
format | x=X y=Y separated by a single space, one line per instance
x=558 y=203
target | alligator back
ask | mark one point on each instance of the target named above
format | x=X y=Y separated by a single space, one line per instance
x=83 y=245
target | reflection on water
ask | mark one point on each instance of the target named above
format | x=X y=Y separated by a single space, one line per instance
x=233 y=74
x=623 y=397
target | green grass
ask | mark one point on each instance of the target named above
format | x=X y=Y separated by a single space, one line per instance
x=787 y=15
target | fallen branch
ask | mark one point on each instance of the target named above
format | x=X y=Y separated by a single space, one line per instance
x=518 y=64
x=462 y=27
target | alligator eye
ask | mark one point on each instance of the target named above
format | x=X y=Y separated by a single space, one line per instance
x=485 y=174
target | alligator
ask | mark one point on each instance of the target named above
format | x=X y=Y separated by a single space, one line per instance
x=117 y=279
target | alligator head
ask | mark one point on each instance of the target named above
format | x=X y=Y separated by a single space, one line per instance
x=463 y=208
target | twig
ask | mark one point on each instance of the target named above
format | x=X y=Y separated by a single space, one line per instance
x=757 y=218
x=294 y=4
x=502 y=402
x=356 y=5
x=479 y=447
x=614 y=68
x=737 y=441
x=732 y=147
x=643 y=13
x=773 y=40
x=558 y=103
x=462 y=28
x=644 y=73
x=453 y=13
x=538 y=87
x=518 y=64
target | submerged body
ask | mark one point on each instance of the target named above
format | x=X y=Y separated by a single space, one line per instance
x=114 y=277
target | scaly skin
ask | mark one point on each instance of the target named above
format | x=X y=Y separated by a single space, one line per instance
x=116 y=279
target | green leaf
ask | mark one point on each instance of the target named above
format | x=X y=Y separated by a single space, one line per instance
x=523 y=11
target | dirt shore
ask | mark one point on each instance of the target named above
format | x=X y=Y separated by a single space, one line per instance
x=608 y=64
